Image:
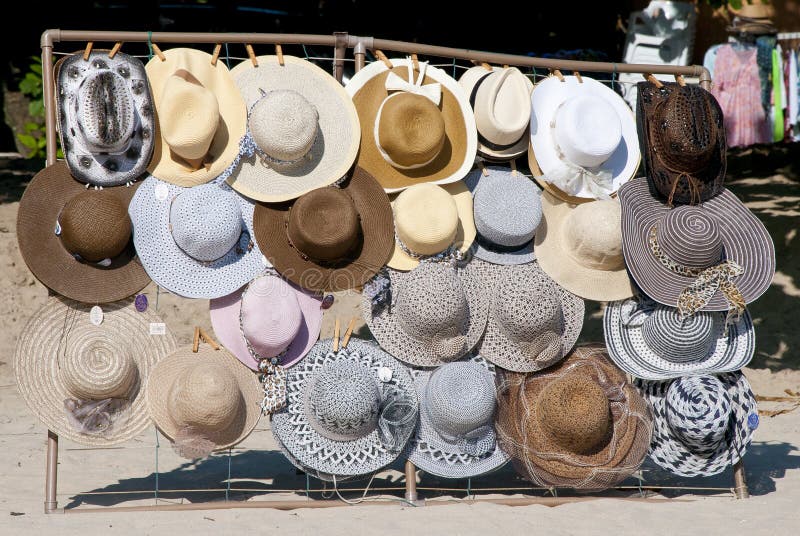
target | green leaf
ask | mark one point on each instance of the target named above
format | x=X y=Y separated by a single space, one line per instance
x=32 y=126
x=36 y=69
x=59 y=153
x=735 y=4
x=41 y=143
x=28 y=86
x=36 y=108
x=28 y=141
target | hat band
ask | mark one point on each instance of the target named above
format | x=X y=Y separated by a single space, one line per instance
x=450 y=254
x=573 y=179
x=105 y=263
x=499 y=248
x=477 y=442
x=481 y=139
x=96 y=417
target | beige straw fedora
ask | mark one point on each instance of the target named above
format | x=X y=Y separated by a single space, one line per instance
x=84 y=372
x=200 y=117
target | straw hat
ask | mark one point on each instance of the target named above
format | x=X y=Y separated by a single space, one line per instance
x=431 y=220
x=329 y=239
x=580 y=247
x=434 y=314
x=501 y=100
x=269 y=319
x=719 y=241
x=455 y=437
x=508 y=211
x=77 y=241
x=349 y=413
x=195 y=242
x=83 y=370
x=303 y=131
x=579 y=424
x=651 y=341
x=201 y=117
x=702 y=424
x=416 y=125
x=105 y=117
x=583 y=139
x=203 y=401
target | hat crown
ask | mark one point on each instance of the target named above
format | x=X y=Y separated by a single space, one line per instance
x=426 y=218
x=698 y=410
x=105 y=110
x=206 y=397
x=507 y=209
x=459 y=398
x=677 y=339
x=188 y=115
x=503 y=105
x=95 y=225
x=344 y=401
x=576 y=413
x=690 y=236
x=587 y=130
x=271 y=317
x=409 y=130
x=284 y=125
x=324 y=224
x=95 y=366
x=593 y=235
x=206 y=222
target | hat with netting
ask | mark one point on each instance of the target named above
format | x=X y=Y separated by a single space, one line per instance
x=652 y=341
x=507 y=207
x=579 y=424
x=348 y=413
x=105 y=116
x=455 y=437
x=429 y=316
x=83 y=370
x=702 y=424
x=532 y=321
x=195 y=242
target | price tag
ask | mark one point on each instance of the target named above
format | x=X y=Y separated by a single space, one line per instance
x=158 y=328
x=96 y=315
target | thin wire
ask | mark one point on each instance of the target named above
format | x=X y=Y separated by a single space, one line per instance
x=227 y=57
x=150 y=45
x=156 y=449
x=364 y=495
x=308 y=485
x=228 y=488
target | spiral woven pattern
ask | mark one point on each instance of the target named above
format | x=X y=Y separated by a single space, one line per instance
x=690 y=236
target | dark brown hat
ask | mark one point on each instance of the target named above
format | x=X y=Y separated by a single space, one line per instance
x=682 y=137
x=329 y=239
x=77 y=241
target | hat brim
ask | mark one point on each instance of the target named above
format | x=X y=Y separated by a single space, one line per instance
x=588 y=283
x=543 y=158
x=338 y=137
x=225 y=311
x=628 y=350
x=368 y=91
x=746 y=241
x=377 y=231
x=36 y=363
x=51 y=263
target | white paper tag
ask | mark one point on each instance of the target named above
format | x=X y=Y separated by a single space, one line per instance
x=385 y=374
x=105 y=263
x=158 y=328
x=161 y=191
x=96 y=315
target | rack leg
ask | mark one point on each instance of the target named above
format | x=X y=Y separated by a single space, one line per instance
x=358 y=53
x=411 y=482
x=739 y=482
x=338 y=55
x=51 y=478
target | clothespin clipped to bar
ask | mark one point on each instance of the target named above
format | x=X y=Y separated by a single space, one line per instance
x=251 y=54
x=653 y=80
x=483 y=169
x=158 y=52
x=482 y=64
x=215 y=55
x=349 y=332
x=279 y=53
x=114 y=50
x=196 y=339
x=415 y=62
x=679 y=79
x=513 y=164
x=381 y=56
x=87 y=50
x=208 y=340
x=557 y=74
x=336 y=329
x=506 y=66
x=577 y=75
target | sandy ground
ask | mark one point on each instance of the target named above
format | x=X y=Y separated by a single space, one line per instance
x=772 y=462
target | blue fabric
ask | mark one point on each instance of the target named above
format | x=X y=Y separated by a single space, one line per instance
x=765 y=45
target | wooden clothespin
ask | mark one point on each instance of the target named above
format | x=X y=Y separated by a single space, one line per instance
x=196 y=339
x=679 y=79
x=88 y=50
x=415 y=62
x=578 y=76
x=483 y=169
x=513 y=164
x=336 y=329
x=251 y=54
x=215 y=55
x=208 y=340
x=349 y=331
x=557 y=74
x=114 y=49
x=653 y=80
x=158 y=52
x=482 y=64
x=279 y=53
x=381 y=56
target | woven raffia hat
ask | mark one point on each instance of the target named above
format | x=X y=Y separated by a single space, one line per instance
x=583 y=139
x=651 y=341
x=416 y=124
x=77 y=241
x=714 y=257
x=201 y=116
x=533 y=322
x=429 y=316
x=702 y=424
x=348 y=413
x=302 y=129
x=682 y=137
x=203 y=401
x=508 y=210
x=579 y=424
x=580 y=247
x=105 y=117
x=501 y=100
x=455 y=437
x=332 y=238
x=431 y=220
x=84 y=372
x=195 y=242
x=269 y=319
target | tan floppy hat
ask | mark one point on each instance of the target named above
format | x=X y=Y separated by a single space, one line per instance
x=429 y=219
x=83 y=371
x=416 y=124
x=580 y=247
x=203 y=401
x=201 y=117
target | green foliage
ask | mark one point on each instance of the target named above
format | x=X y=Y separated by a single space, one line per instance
x=33 y=138
x=735 y=4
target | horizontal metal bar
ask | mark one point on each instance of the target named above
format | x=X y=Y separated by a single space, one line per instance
x=58 y=36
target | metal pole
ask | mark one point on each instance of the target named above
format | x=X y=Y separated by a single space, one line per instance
x=411 y=482
x=739 y=481
x=339 y=51
x=49 y=97
x=359 y=50
x=51 y=476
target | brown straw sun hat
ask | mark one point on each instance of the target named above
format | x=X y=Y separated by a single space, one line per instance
x=77 y=241
x=100 y=370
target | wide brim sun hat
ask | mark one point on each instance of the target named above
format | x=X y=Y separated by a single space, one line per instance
x=293 y=153
x=59 y=218
x=438 y=146
x=83 y=371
